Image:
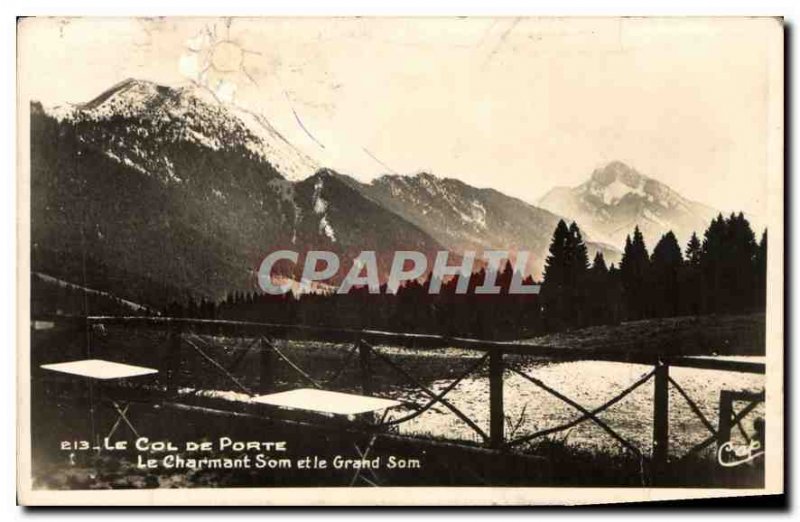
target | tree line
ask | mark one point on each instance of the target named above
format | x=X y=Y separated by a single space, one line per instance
x=725 y=272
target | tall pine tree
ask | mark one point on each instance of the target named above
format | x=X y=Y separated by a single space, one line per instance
x=691 y=285
x=579 y=292
x=634 y=272
x=564 y=293
x=600 y=306
x=554 y=302
x=728 y=265
x=666 y=264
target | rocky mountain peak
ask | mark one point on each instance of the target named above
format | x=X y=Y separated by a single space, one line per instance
x=128 y=95
x=616 y=198
x=617 y=171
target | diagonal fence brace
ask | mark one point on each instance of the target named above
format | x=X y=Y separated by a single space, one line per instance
x=399 y=369
x=588 y=414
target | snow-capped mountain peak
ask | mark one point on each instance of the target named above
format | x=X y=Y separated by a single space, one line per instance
x=617 y=171
x=616 y=198
x=462 y=217
x=194 y=114
x=614 y=181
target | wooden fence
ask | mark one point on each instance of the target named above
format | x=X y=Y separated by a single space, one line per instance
x=367 y=344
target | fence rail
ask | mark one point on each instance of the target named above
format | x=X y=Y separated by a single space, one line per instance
x=367 y=345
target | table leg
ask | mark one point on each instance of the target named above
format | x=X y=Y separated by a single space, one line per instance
x=122 y=415
x=91 y=392
x=365 y=455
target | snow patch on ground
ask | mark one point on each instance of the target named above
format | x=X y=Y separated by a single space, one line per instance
x=478 y=214
x=616 y=190
x=170 y=169
x=320 y=206
x=326 y=228
x=126 y=161
x=73 y=286
x=648 y=214
x=112 y=156
x=590 y=383
x=60 y=112
x=270 y=144
x=203 y=140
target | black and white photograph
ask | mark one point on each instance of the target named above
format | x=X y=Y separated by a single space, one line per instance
x=400 y=260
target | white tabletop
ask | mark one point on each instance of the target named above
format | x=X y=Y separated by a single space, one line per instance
x=326 y=401
x=99 y=369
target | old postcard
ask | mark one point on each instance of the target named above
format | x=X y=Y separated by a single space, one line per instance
x=399 y=261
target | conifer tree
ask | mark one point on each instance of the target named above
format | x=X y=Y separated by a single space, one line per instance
x=634 y=272
x=577 y=254
x=742 y=251
x=556 y=262
x=599 y=303
x=693 y=251
x=691 y=281
x=565 y=294
x=727 y=266
x=599 y=264
x=666 y=264
x=579 y=291
x=555 y=286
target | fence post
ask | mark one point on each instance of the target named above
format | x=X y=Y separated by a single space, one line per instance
x=725 y=417
x=266 y=364
x=174 y=359
x=364 y=363
x=661 y=418
x=496 y=414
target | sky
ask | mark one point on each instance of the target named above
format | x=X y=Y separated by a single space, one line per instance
x=517 y=104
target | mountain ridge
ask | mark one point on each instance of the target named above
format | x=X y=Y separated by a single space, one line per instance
x=617 y=197
x=136 y=194
x=462 y=217
x=141 y=99
x=173 y=188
